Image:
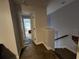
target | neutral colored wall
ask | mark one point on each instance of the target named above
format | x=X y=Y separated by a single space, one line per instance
x=66 y=19
x=17 y=24
x=40 y=31
x=7 y=36
x=43 y=33
x=26 y=9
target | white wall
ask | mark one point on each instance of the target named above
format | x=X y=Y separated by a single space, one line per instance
x=66 y=19
x=26 y=9
x=43 y=34
x=7 y=36
x=40 y=31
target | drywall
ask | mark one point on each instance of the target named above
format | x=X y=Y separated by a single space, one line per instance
x=7 y=36
x=40 y=31
x=66 y=20
x=17 y=24
x=26 y=9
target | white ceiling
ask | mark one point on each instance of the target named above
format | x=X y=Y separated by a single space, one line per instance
x=57 y=4
x=52 y=5
x=26 y=5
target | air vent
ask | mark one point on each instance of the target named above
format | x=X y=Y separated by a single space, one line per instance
x=63 y=2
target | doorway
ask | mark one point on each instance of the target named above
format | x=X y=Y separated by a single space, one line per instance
x=27 y=31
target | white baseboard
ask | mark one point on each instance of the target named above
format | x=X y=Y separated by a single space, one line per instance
x=47 y=47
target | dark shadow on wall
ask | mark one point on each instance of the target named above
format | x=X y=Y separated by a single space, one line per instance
x=5 y=53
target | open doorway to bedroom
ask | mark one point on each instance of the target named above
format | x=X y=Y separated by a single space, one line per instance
x=27 y=30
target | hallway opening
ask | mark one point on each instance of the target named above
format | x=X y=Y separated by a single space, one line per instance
x=27 y=31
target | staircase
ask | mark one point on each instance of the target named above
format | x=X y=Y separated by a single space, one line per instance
x=48 y=54
x=64 y=53
x=34 y=51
